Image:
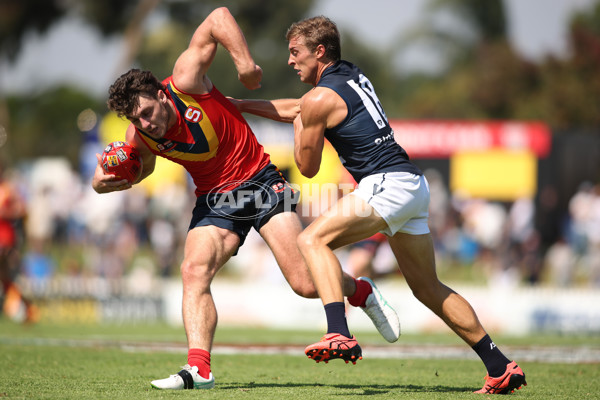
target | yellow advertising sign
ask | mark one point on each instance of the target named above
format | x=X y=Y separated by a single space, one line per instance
x=496 y=174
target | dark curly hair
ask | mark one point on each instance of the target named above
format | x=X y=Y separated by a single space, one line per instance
x=123 y=95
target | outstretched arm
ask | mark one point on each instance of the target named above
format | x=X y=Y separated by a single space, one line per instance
x=192 y=65
x=281 y=110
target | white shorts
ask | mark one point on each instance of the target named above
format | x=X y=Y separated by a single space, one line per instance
x=401 y=198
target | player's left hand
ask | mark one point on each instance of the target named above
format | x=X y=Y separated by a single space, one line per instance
x=251 y=78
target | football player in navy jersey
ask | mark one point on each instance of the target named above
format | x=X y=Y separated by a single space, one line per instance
x=392 y=197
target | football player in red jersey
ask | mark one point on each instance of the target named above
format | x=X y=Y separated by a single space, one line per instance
x=188 y=121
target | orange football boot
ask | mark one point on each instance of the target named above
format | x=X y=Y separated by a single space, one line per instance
x=512 y=379
x=334 y=345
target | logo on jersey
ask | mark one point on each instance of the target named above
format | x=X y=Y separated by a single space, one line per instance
x=168 y=145
x=389 y=136
x=377 y=189
x=279 y=187
x=193 y=114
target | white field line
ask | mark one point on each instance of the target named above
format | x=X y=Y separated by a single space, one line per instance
x=549 y=354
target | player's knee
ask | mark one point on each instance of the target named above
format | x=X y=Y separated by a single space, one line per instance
x=306 y=290
x=192 y=271
x=306 y=241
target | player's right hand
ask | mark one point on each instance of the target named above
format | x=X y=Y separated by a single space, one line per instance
x=106 y=183
x=251 y=78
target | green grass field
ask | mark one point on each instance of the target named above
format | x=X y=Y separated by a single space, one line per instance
x=98 y=362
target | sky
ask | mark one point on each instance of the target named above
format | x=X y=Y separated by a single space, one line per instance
x=536 y=27
x=73 y=52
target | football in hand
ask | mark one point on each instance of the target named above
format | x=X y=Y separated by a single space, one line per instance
x=122 y=160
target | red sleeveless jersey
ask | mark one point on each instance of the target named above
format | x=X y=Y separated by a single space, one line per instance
x=210 y=139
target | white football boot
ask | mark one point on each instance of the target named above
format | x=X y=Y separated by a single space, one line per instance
x=187 y=378
x=381 y=313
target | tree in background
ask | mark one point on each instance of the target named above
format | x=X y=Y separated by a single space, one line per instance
x=263 y=22
x=44 y=124
x=35 y=115
x=482 y=74
x=568 y=95
x=485 y=78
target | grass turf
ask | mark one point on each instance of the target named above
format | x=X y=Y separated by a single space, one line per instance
x=39 y=370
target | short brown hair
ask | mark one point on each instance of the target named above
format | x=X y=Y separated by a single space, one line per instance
x=123 y=95
x=316 y=31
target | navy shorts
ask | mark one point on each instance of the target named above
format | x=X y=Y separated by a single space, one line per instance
x=249 y=205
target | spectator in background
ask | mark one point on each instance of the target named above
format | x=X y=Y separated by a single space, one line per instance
x=580 y=206
x=561 y=262
x=548 y=218
x=12 y=213
x=521 y=250
x=593 y=234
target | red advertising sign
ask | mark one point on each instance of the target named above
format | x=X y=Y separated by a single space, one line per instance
x=441 y=139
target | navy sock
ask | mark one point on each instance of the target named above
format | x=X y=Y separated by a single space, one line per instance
x=336 y=318
x=492 y=357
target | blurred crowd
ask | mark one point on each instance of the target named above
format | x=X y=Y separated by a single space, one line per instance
x=62 y=228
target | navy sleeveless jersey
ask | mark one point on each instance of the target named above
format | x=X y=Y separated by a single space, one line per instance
x=364 y=140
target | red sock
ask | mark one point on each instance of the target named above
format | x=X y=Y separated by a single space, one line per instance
x=201 y=359
x=363 y=290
